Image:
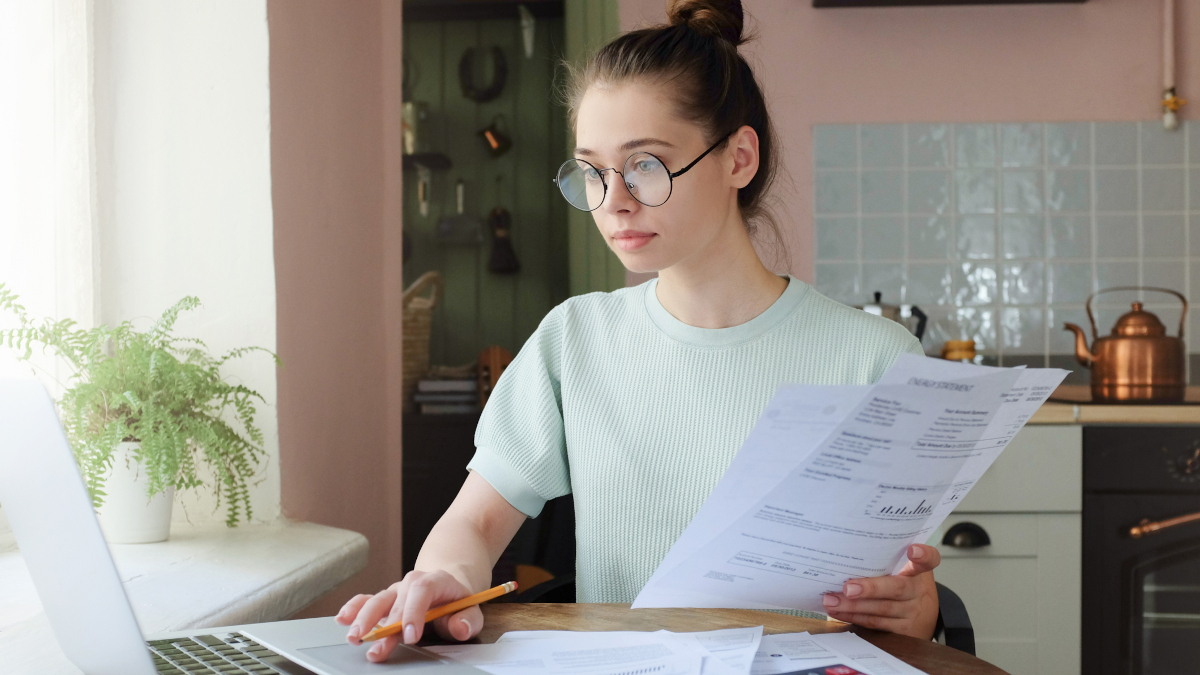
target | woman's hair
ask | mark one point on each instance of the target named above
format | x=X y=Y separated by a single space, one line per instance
x=713 y=86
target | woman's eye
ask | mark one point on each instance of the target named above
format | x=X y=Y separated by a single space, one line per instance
x=645 y=166
x=591 y=174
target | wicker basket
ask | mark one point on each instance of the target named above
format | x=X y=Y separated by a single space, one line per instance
x=418 y=322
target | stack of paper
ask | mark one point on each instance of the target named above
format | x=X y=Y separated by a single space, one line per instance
x=720 y=652
x=736 y=651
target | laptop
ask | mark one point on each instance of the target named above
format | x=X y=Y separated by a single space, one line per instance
x=56 y=529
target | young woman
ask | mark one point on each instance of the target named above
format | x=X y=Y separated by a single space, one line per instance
x=636 y=401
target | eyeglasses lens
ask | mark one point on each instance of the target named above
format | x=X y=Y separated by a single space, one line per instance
x=648 y=180
x=581 y=184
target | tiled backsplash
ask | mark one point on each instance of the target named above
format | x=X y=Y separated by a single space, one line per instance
x=1000 y=231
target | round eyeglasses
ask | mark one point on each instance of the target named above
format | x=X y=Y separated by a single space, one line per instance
x=645 y=176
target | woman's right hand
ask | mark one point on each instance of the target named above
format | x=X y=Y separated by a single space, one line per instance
x=408 y=600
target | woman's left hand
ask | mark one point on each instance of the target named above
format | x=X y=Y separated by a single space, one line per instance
x=904 y=603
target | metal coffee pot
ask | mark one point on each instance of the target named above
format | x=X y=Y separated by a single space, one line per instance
x=897 y=313
x=1138 y=362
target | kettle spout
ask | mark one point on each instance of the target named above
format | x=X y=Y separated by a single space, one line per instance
x=1081 y=349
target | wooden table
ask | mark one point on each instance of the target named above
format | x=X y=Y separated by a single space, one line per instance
x=930 y=657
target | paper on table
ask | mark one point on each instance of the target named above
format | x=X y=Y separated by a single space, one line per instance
x=801 y=652
x=728 y=651
x=616 y=654
x=870 y=659
x=897 y=462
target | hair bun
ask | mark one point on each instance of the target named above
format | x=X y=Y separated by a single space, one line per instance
x=711 y=18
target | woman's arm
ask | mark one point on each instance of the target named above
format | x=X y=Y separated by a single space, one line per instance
x=455 y=561
x=904 y=603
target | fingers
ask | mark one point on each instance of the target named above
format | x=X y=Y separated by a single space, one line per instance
x=921 y=559
x=427 y=590
x=374 y=609
x=460 y=626
x=350 y=610
x=836 y=602
x=889 y=624
x=382 y=648
x=893 y=587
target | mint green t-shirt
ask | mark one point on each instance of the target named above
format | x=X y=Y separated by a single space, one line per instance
x=637 y=414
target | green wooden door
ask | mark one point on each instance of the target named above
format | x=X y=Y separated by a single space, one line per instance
x=593 y=266
x=480 y=308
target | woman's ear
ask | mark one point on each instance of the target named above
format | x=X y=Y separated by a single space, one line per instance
x=744 y=143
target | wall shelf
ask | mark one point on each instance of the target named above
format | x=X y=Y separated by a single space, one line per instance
x=430 y=160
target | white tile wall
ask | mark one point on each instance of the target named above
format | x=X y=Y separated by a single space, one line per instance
x=1000 y=231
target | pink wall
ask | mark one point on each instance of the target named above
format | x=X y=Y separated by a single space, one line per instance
x=335 y=170
x=1099 y=60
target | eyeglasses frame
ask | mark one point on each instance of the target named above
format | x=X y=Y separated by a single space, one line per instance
x=670 y=176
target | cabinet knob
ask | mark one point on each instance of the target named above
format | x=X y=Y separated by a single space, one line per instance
x=966 y=535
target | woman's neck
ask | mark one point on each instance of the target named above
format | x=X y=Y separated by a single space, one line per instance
x=723 y=285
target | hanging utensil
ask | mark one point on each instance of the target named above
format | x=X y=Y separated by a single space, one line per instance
x=504 y=258
x=460 y=228
x=496 y=141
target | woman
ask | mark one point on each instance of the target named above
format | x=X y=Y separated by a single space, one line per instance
x=636 y=401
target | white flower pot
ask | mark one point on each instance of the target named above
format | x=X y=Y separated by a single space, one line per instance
x=127 y=516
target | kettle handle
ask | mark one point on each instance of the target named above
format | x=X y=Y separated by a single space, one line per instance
x=1092 y=318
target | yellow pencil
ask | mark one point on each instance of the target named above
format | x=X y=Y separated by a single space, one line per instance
x=438 y=612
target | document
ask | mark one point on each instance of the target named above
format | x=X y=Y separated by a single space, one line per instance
x=725 y=652
x=581 y=654
x=825 y=654
x=834 y=483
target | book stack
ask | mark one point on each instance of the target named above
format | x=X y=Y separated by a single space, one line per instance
x=447 y=397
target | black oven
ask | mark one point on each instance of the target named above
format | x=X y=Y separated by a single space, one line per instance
x=1141 y=550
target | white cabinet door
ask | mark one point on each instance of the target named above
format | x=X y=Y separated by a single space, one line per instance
x=1022 y=591
x=1040 y=471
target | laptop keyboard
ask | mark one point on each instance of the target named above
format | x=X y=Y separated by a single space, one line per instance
x=223 y=654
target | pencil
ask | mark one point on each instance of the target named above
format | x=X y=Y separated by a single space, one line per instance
x=438 y=612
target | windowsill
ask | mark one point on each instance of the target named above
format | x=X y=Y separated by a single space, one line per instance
x=200 y=577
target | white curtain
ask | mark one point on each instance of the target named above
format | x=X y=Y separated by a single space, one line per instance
x=48 y=242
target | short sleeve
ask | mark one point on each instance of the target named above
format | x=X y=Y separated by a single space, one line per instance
x=520 y=446
x=904 y=342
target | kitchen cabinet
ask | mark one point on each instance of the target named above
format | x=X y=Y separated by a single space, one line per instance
x=1022 y=590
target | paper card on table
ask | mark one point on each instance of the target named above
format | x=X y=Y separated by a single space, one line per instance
x=614 y=654
x=726 y=652
x=895 y=464
x=803 y=653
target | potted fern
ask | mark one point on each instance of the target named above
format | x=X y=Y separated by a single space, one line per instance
x=147 y=413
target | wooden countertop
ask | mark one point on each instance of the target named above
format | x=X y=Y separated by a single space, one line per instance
x=931 y=657
x=1063 y=412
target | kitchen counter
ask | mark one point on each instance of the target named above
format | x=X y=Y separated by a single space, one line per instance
x=1059 y=412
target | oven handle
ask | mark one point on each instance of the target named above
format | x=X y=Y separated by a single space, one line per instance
x=1146 y=526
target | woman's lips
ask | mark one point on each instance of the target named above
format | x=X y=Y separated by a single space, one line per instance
x=631 y=241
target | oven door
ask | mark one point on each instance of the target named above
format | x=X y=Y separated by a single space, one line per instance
x=1144 y=589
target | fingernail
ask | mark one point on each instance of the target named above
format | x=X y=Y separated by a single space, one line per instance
x=915 y=552
x=377 y=650
x=410 y=634
x=831 y=600
x=355 y=632
x=853 y=590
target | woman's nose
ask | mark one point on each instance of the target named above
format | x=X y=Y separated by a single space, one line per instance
x=620 y=196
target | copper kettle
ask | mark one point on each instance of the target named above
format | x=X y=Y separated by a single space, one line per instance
x=1138 y=362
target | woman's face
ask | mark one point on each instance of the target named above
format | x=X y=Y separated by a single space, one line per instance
x=614 y=122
